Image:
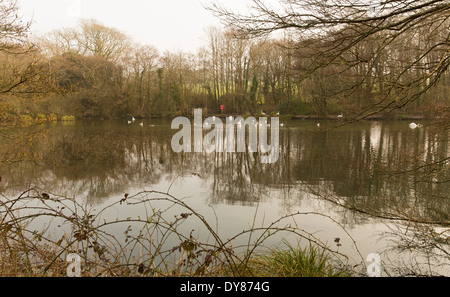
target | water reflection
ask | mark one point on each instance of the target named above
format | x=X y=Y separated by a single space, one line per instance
x=380 y=168
x=368 y=164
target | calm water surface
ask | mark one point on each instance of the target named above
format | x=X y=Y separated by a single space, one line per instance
x=359 y=164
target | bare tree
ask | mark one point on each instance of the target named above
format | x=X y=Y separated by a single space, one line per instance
x=91 y=38
x=19 y=60
x=13 y=31
x=61 y=41
x=140 y=70
x=335 y=32
x=103 y=41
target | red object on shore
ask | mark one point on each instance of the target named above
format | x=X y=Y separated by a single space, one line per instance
x=222 y=107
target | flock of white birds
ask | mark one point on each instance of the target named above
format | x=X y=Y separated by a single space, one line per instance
x=411 y=126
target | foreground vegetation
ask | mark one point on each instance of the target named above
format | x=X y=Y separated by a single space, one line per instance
x=152 y=246
x=40 y=233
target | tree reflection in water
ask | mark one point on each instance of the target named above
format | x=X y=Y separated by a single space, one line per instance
x=367 y=170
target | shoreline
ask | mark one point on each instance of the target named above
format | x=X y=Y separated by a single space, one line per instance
x=37 y=120
x=368 y=118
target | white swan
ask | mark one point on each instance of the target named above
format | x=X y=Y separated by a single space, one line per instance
x=415 y=126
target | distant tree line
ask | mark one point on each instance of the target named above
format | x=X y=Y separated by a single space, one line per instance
x=370 y=57
x=387 y=58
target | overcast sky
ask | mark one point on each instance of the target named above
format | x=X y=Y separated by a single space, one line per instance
x=168 y=25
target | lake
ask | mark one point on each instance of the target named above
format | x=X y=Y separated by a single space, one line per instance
x=369 y=166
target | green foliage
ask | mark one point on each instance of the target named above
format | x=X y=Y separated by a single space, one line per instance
x=334 y=107
x=296 y=108
x=52 y=118
x=311 y=261
x=26 y=118
x=68 y=119
x=175 y=94
x=160 y=78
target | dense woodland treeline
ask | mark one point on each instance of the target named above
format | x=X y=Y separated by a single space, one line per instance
x=97 y=71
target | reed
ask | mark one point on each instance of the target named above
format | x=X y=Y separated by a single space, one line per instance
x=288 y=260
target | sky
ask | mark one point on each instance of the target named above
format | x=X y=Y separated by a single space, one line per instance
x=173 y=25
